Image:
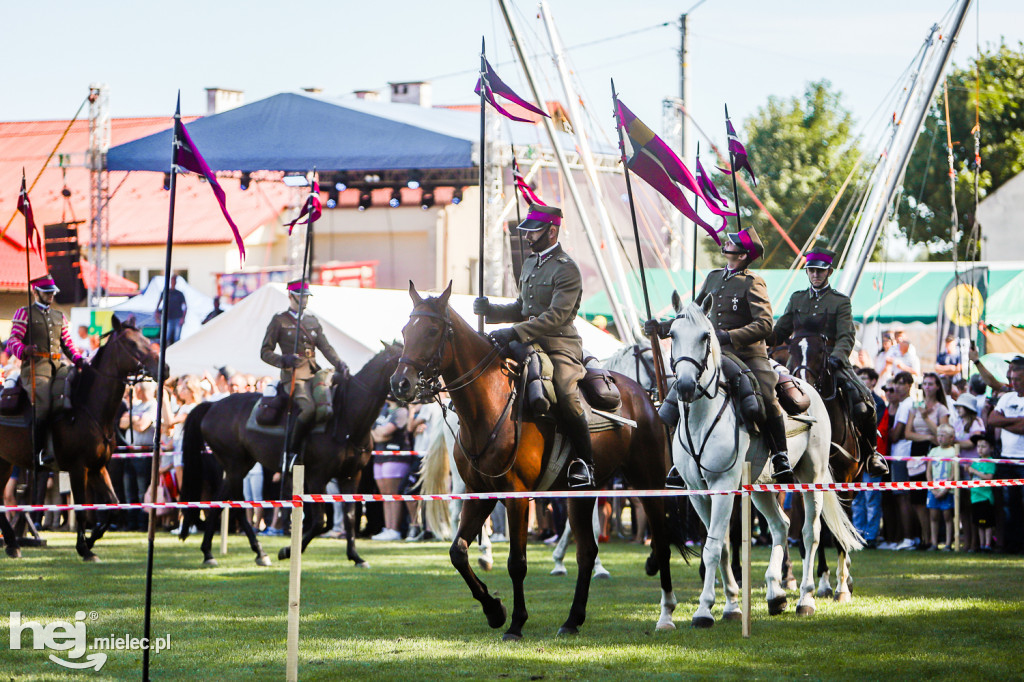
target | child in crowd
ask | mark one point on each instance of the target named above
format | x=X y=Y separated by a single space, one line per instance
x=983 y=499
x=940 y=500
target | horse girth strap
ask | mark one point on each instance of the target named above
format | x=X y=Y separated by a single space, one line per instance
x=493 y=435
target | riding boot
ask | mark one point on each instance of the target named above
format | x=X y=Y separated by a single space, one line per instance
x=782 y=472
x=875 y=464
x=674 y=478
x=296 y=438
x=47 y=459
x=581 y=469
x=669 y=410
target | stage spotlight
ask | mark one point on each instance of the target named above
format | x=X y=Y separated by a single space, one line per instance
x=167 y=180
x=243 y=184
x=340 y=186
x=365 y=200
x=457 y=196
x=414 y=180
x=427 y=200
x=396 y=198
x=332 y=198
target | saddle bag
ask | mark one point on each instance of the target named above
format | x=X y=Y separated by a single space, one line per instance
x=271 y=407
x=60 y=388
x=12 y=398
x=540 y=389
x=600 y=390
x=322 y=395
x=791 y=397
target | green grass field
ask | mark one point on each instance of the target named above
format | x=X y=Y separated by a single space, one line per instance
x=921 y=615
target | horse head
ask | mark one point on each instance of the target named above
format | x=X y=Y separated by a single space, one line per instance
x=128 y=351
x=808 y=357
x=695 y=349
x=428 y=345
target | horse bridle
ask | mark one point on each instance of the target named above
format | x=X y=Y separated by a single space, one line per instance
x=700 y=367
x=819 y=374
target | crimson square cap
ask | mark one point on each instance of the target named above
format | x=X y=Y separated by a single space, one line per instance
x=44 y=283
x=748 y=241
x=821 y=259
x=299 y=288
x=541 y=217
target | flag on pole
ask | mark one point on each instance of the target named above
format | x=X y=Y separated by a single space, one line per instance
x=311 y=209
x=524 y=188
x=659 y=166
x=32 y=237
x=738 y=153
x=492 y=85
x=187 y=157
x=709 y=187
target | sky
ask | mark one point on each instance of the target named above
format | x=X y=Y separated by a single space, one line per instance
x=741 y=51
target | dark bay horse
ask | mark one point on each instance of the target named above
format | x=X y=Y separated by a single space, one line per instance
x=494 y=453
x=808 y=360
x=341 y=452
x=83 y=437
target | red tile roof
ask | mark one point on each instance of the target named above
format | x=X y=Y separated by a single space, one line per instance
x=12 y=262
x=115 y=285
x=138 y=205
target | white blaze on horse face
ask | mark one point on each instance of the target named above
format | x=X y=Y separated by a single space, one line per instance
x=803 y=358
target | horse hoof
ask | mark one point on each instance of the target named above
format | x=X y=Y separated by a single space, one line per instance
x=732 y=615
x=568 y=630
x=777 y=606
x=484 y=564
x=824 y=594
x=805 y=610
x=791 y=584
x=651 y=566
x=210 y=563
x=496 y=616
x=263 y=560
x=843 y=597
x=92 y=559
x=511 y=637
x=284 y=554
x=13 y=552
x=602 y=574
x=559 y=570
x=362 y=564
x=662 y=627
x=702 y=622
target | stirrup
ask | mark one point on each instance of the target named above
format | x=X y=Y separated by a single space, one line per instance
x=580 y=475
x=782 y=472
x=877 y=466
x=674 y=479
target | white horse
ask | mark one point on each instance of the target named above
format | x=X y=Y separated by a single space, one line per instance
x=709 y=449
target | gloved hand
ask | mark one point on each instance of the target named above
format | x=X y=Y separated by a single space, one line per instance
x=834 y=363
x=481 y=306
x=503 y=336
x=723 y=337
x=291 y=361
x=80 y=362
x=341 y=374
x=28 y=350
x=652 y=327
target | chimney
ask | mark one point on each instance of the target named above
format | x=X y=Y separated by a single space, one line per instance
x=368 y=95
x=413 y=92
x=222 y=99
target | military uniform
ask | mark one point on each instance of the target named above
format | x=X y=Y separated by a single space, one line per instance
x=281 y=332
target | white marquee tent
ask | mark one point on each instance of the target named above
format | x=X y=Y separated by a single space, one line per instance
x=355 y=321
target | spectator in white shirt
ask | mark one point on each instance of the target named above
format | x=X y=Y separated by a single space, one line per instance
x=1008 y=417
x=904 y=355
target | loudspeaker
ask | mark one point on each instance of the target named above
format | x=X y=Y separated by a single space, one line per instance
x=64 y=257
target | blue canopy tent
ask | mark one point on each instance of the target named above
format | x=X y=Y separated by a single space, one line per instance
x=297 y=132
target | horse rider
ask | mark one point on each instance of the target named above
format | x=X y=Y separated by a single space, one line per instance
x=298 y=361
x=742 y=317
x=40 y=338
x=550 y=291
x=822 y=309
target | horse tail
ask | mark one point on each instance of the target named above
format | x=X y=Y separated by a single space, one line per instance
x=837 y=520
x=434 y=474
x=676 y=527
x=192 y=472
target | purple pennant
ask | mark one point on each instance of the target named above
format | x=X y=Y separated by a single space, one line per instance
x=495 y=86
x=524 y=188
x=187 y=156
x=659 y=166
x=32 y=238
x=311 y=209
x=709 y=187
x=738 y=153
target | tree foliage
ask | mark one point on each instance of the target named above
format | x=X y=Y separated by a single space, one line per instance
x=926 y=209
x=801 y=151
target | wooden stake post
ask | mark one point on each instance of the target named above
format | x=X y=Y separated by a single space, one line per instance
x=225 y=523
x=745 y=550
x=295 y=577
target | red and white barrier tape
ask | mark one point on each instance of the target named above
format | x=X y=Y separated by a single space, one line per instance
x=224 y=504
x=400 y=453
x=989 y=460
x=885 y=485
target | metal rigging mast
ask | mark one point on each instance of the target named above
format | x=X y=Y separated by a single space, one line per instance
x=96 y=162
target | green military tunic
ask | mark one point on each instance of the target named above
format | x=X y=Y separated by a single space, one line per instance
x=826 y=311
x=550 y=292
x=740 y=306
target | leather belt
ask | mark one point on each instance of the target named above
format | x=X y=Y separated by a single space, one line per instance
x=56 y=357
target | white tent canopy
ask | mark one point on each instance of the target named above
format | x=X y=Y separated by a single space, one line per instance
x=199 y=304
x=355 y=321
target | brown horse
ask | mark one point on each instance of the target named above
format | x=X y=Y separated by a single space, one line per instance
x=83 y=437
x=496 y=452
x=808 y=360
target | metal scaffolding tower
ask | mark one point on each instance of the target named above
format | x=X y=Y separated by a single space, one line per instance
x=96 y=162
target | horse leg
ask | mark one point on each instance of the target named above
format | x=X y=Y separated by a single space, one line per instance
x=600 y=572
x=518 y=522
x=731 y=589
x=823 y=572
x=213 y=520
x=106 y=489
x=350 y=535
x=580 y=511
x=474 y=513
x=661 y=549
x=250 y=533
x=717 y=522
x=844 y=582
x=486 y=558
x=778 y=522
x=79 y=485
x=558 y=555
x=811 y=533
x=11 y=544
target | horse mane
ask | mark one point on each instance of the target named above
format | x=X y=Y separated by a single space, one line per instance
x=366 y=391
x=702 y=319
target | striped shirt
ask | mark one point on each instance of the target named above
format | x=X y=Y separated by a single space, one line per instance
x=19 y=324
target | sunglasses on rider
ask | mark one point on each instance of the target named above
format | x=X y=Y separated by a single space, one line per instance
x=736 y=252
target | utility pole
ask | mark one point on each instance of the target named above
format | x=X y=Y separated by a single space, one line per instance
x=686 y=226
